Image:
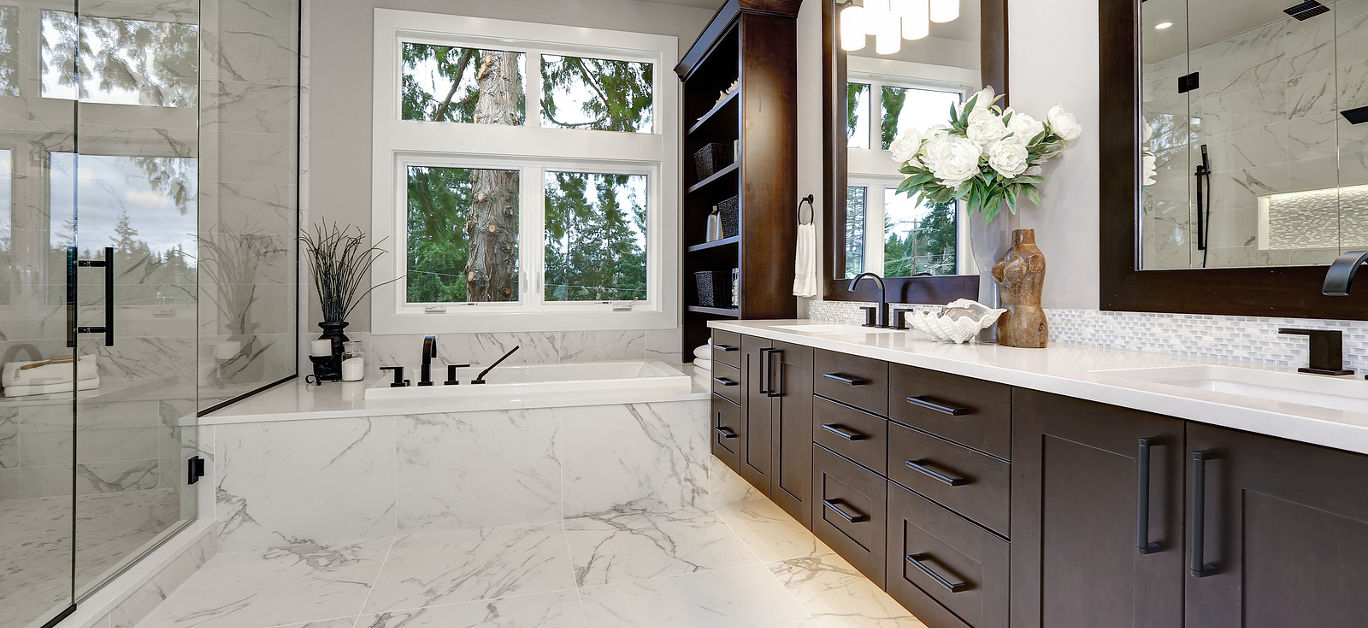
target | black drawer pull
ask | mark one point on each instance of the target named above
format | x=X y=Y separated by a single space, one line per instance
x=932 y=404
x=920 y=465
x=1197 y=564
x=917 y=561
x=724 y=381
x=845 y=379
x=843 y=432
x=855 y=518
x=1142 y=496
x=724 y=432
x=726 y=348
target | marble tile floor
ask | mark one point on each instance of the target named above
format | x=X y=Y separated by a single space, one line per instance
x=742 y=563
x=36 y=544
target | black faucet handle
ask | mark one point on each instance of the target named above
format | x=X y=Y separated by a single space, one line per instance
x=451 y=374
x=900 y=318
x=1327 y=350
x=399 y=381
x=871 y=315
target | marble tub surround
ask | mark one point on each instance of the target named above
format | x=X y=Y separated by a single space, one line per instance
x=524 y=576
x=536 y=347
x=1082 y=372
x=329 y=480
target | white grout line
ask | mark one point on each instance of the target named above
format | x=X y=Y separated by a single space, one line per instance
x=362 y=611
x=574 y=578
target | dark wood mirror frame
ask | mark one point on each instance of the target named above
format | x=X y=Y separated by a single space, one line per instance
x=943 y=289
x=1268 y=291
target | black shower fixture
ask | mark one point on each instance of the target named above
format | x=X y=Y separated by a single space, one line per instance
x=1307 y=10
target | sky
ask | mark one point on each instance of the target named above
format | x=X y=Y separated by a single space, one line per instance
x=108 y=187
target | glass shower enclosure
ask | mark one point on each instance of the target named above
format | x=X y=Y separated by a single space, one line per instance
x=148 y=222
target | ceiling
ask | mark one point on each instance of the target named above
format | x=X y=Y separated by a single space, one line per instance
x=1197 y=23
x=700 y=4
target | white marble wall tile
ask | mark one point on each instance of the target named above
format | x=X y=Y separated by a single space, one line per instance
x=440 y=568
x=9 y=438
x=477 y=469
x=543 y=610
x=257 y=158
x=484 y=349
x=618 y=547
x=145 y=598
x=663 y=345
x=305 y=481
x=641 y=457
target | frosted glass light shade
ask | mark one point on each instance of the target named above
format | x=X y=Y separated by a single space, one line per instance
x=853 y=28
x=943 y=11
x=888 y=41
x=916 y=23
x=876 y=12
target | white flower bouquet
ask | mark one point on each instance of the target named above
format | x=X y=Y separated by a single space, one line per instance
x=986 y=156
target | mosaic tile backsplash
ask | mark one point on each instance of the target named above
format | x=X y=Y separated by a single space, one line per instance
x=1251 y=339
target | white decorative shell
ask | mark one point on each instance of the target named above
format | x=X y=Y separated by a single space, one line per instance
x=958 y=330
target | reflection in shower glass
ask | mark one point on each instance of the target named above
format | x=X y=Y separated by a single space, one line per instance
x=120 y=61
x=7 y=278
x=9 y=52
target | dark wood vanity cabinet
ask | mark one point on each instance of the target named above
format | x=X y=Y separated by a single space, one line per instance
x=775 y=449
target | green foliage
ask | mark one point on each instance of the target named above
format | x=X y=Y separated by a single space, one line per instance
x=595 y=246
x=854 y=93
x=439 y=83
x=622 y=93
x=855 y=229
x=893 y=99
x=928 y=248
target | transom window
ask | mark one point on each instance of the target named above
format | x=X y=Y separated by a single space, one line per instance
x=525 y=176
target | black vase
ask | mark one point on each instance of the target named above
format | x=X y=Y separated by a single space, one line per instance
x=333 y=332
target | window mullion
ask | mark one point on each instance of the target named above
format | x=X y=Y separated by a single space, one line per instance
x=532 y=235
x=533 y=88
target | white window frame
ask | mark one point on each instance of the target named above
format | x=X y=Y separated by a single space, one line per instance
x=533 y=150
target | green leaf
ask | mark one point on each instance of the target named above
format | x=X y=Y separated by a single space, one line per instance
x=1032 y=194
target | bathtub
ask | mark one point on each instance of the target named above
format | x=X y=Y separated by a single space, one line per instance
x=518 y=382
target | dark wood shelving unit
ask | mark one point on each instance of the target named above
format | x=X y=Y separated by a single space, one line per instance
x=753 y=43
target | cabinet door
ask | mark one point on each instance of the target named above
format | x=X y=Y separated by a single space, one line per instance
x=792 y=430
x=1284 y=532
x=1085 y=552
x=756 y=441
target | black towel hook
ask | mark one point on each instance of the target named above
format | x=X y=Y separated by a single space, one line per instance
x=812 y=212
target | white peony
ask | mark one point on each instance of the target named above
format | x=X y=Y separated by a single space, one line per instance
x=1008 y=157
x=1064 y=124
x=906 y=146
x=952 y=159
x=1023 y=126
x=983 y=100
x=985 y=127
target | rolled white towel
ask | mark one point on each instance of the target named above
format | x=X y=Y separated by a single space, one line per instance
x=46 y=372
x=704 y=352
x=48 y=389
x=705 y=365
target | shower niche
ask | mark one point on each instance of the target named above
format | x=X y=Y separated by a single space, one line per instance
x=1255 y=127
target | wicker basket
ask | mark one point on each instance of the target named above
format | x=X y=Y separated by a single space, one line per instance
x=711 y=158
x=729 y=212
x=714 y=287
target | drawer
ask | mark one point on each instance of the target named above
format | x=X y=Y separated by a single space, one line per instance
x=942 y=567
x=726 y=348
x=726 y=430
x=968 y=482
x=852 y=380
x=971 y=412
x=726 y=382
x=853 y=433
x=849 y=509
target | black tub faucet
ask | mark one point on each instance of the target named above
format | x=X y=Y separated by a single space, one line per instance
x=1341 y=273
x=880 y=316
x=429 y=352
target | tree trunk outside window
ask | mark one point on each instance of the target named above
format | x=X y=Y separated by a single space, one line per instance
x=492 y=227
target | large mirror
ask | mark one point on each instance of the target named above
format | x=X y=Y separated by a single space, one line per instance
x=1254 y=121
x=886 y=74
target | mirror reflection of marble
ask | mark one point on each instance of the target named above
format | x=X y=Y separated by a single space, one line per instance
x=888 y=233
x=1260 y=163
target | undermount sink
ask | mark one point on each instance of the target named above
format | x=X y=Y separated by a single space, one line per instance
x=836 y=328
x=1335 y=393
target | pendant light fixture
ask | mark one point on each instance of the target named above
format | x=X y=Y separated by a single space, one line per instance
x=888 y=41
x=852 y=28
x=916 y=23
x=876 y=14
x=943 y=11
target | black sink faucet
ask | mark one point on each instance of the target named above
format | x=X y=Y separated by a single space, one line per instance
x=429 y=352
x=1341 y=273
x=880 y=318
x=1327 y=351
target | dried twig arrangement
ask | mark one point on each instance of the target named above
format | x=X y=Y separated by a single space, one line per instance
x=340 y=261
x=230 y=262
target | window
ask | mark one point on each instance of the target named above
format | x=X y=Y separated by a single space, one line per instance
x=910 y=107
x=855 y=229
x=525 y=176
x=857 y=115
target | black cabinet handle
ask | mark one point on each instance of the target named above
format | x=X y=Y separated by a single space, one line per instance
x=931 y=404
x=724 y=381
x=917 y=561
x=776 y=384
x=920 y=465
x=72 y=294
x=843 y=432
x=1142 y=496
x=853 y=518
x=1197 y=562
x=725 y=348
x=765 y=371
x=845 y=379
x=724 y=432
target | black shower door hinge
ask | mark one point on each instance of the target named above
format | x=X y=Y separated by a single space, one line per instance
x=196 y=469
x=1188 y=82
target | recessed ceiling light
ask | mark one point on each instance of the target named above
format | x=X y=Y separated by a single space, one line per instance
x=1163 y=26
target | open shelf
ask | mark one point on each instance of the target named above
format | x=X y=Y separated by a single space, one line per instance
x=715 y=244
x=720 y=174
x=706 y=117
x=716 y=311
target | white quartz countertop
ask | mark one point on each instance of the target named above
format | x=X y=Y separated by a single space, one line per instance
x=1080 y=371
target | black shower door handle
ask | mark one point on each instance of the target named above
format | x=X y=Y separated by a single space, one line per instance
x=73 y=282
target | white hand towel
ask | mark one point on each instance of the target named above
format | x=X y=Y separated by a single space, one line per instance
x=805 y=262
x=703 y=352
x=14 y=373
x=47 y=389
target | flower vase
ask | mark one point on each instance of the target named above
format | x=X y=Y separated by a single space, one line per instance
x=1022 y=275
x=332 y=331
x=988 y=242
